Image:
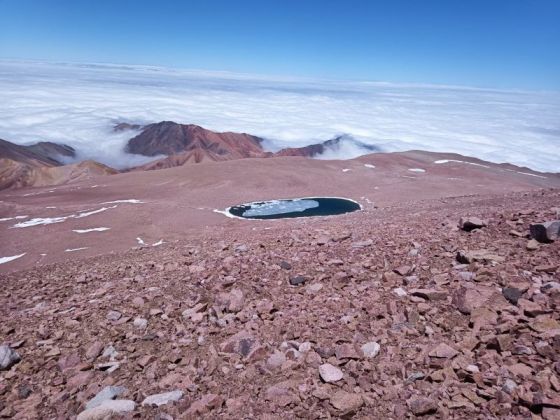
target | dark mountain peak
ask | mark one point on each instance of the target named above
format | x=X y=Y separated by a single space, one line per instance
x=123 y=126
x=52 y=150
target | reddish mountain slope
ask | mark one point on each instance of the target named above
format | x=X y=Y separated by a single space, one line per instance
x=187 y=144
x=41 y=165
x=15 y=174
x=169 y=138
x=42 y=153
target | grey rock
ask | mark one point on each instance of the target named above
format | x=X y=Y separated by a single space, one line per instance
x=163 y=398
x=512 y=294
x=545 y=232
x=471 y=223
x=371 y=349
x=550 y=287
x=140 y=323
x=362 y=244
x=509 y=386
x=8 y=357
x=297 y=280
x=276 y=360
x=107 y=393
x=285 y=265
x=114 y=315
x=107 y=409
x=330 y=373
x=415 y=376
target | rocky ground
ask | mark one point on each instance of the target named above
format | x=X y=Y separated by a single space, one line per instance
x=391 y=312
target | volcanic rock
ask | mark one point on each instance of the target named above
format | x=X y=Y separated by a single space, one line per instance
x=545 y=232
x=471 y=223
x=297 y=280
x=512 y=294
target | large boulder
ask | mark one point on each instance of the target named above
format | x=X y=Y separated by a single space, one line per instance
x=471 y=223
x=8 y=357
x=107 y=409
x=545 y=232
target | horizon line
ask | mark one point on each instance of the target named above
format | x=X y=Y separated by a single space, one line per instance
x=284 y=78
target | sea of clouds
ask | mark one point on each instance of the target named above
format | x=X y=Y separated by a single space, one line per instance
x=78 y=104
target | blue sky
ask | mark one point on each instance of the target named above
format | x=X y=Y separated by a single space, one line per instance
x=491 y=43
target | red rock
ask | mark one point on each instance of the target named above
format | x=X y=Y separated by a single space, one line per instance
x=346 y=403
x=468 y=299
x=347 y=351
x=205 y=404
x=443 y=351
x=94 y=350
x=421 y=406
x=429 y=294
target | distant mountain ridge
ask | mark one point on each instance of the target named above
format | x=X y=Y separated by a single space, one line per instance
x=46 y=153
x=187 y=144
x=41 y=164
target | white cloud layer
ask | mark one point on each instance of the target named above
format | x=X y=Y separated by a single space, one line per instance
x=78 y=104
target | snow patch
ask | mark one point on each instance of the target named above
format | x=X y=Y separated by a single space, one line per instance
x=529 y=174
x=130 y=201
x=439 y=162
x=158 y=243
x=346 y=170
x=140 y=241
x=369 y=165
x=89 y=213
x=227 y=213
x=99 y=229
x=76 y=249
x=417 y=170
x=4 y=260
x=50 y=220
x=5 y=219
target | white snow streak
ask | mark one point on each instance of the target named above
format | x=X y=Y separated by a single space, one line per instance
x=438 y=162
x=50 y=220
x=4 y=260
x=99 y=229
x=5 y=219
x=131 y=201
